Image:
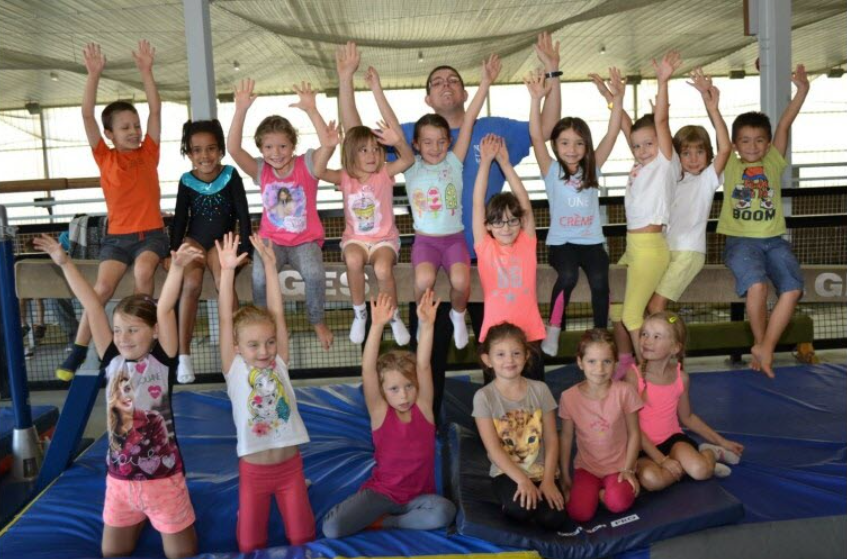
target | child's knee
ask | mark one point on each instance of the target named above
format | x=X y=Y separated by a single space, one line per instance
x=619 y=497
x=581 y=511
x=460 y=280
x=699 y=469
x=651 y=479
x=424 y=278
x=384 y=269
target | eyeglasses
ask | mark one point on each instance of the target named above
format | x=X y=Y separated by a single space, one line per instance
x=511 y=222
x=441 y=82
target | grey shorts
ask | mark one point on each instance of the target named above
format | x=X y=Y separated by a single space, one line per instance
x=126 y=248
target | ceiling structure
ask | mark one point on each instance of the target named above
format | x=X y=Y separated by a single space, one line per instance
x=279 y=43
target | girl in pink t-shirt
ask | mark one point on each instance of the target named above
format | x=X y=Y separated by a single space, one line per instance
x=668 y=453
x=505 y=242
x=603 y=414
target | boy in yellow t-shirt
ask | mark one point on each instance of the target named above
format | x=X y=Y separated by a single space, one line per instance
x=752 y=219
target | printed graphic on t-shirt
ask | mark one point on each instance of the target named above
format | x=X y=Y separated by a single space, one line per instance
x=600 y=428
x=520 y=433
x=268 y=406
x=754 y=185
x=141 y=438
x=577 y=219
x=633 y=173
x=365 y=209
x=510 y=281
x=285 y=206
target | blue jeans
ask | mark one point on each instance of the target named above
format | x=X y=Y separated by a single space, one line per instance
x=754 y=260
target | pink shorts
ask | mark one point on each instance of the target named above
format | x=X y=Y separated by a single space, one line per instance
x=441 y=251
x=371 y=248
x=164 y=501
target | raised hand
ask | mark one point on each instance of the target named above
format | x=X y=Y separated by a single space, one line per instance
x=244 y=95
x=491 y=69
x=332 y=136
x=382 y=310
x=699 y=81
x=307 y=95
x=616 y=84
x=185 y=255
x=537 y=85
x=347 y=60
x=428 y=307
x=228 y=252
x=265 y=250
x=488 y=148
x=800 y=79
x=51 y=246
x=372 y=78
x=502 y=156
x=144 y=56
x=94 y=59
x=386 y=134
x=669 y=64
x=547 y=51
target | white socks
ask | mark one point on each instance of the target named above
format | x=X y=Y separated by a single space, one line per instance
x=399 y=330
x=184 y=370
x=360 y=318
x=722 y=470
x=550 y=345
x=721 y=454
x=460 y=328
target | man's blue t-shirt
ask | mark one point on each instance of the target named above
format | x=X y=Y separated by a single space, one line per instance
x=516 y=134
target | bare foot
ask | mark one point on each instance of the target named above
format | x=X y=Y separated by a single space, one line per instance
x=324 y=335
x=764 y=359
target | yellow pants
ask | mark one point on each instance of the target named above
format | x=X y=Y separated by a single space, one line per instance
x=646 y=258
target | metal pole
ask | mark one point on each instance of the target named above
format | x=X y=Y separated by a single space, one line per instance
x=26 y=449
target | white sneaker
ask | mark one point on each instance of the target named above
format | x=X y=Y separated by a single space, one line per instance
x=460 y=328
x=550 y=345
x=185 y=370
x=721 y=454
x=399 y=330
x=722 y=470
x=358 y=328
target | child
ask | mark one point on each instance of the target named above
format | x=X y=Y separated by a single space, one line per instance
x=647 y=203
x=254 y=354
x=434 y=190
x=370 y=236
x=752 y=220
x=504 y=239
x=663 y=386
x=130 y=183
x=699 y=173
x=398 y=392
x=145 y=478
x=515 y=417
x=296 y=238
x=576 y=236
x=209 y=200
x=603 y=414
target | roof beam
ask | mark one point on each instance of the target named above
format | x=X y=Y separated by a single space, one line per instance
x=201 y=69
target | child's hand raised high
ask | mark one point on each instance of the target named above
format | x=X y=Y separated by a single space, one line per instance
x=332 y=136
x=616 y=84
x=502 y=155
x=669 y=64
x=547 y=51
x=144 y=56
x=185 y=255
x=308 y=97
x=387 y=135
x=51 y=246
x=347 y=60
x=382 y=310
x=428 y=307
x=94 y=59
x=264 y=249
x=244 y=95
x=488 y=148
x=491 y=69
x=699 y=81
x=372 y=79
x=228 y=252
x=537 y=85
x=601 y=87
x=800 y=79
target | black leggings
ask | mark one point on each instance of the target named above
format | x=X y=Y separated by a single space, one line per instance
x=567 y=259
x=543 y=515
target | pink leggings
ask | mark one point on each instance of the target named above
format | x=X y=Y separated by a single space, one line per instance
x=585 y=495
x=258 y=483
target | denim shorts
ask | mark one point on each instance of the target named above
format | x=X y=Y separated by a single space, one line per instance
x=753 y=260
x=126 y=248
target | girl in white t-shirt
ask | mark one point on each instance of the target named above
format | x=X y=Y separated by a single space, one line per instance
x=254 y=354
x=699 y=173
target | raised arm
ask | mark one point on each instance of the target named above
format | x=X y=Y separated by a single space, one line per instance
x=328 y=139
x=321 y=157
x=664 y=72
x=780 y=137
x=385 y=110
x=391 y=135
x=427 y=309
x=166 y=307
x=711 y=99
x=490 y=70
x=230 y=260
x=382 y=310
x=273 y=294
x=617 y=87
x=603 y=89
x=487 y=151
x=95 y=61
x=347 y=62
x=101 y=331
x=517 y=187
x=244 y=97
x=538 y=88
x=548 y=53
x=144 y=61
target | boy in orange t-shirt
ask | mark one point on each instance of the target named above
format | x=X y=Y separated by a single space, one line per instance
x=130 y=186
